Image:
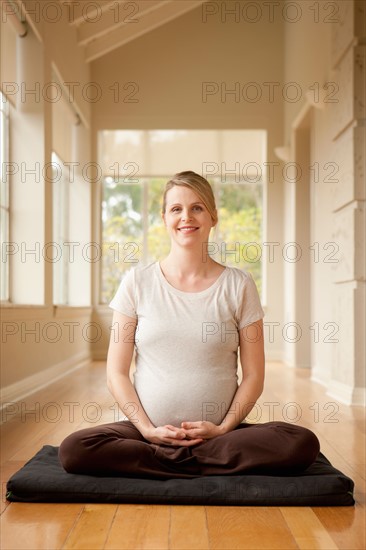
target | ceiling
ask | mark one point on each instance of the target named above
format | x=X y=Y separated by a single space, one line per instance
x=104 y=25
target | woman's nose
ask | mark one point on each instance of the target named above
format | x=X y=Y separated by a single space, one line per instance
x=186 y=215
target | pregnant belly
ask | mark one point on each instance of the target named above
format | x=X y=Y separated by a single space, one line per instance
x=187 y=399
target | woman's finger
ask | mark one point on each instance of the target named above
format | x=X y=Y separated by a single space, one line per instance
x=184 y=442
x=175 y=432
x=190 y=425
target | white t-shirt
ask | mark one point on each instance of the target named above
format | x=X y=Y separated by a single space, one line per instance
x=186 y=343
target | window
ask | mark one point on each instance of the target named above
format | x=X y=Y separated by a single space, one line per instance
x=71 y=208
x=133 y=231
x=4 y=204
x=237 y=240
x=132 y=228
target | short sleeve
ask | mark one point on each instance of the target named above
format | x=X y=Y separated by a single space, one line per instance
x=124 y=300
x=249 y=305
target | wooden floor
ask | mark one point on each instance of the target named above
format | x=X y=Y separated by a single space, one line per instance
x=81 y=399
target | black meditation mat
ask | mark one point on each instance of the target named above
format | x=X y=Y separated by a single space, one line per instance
x=43 y=479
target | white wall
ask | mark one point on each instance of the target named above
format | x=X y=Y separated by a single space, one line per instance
x=334 y=60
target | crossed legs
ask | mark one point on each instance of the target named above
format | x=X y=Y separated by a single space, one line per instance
x=120 y=449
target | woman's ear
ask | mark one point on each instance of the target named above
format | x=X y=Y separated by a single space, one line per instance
x=163 y=217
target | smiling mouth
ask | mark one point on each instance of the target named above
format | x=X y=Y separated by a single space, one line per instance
x=187 y=229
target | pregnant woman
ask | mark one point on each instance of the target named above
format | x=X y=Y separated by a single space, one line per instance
x=187 y=318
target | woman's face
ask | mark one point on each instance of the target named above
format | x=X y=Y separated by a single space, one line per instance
x=186 y=217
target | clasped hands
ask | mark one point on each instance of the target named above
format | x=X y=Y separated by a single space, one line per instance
x=189 y=434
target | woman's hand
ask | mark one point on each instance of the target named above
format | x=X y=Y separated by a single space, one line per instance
x=202 y=429
x=170 y=435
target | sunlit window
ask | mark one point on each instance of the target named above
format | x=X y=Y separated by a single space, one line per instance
x=137 y=164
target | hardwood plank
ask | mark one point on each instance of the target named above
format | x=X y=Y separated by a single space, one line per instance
x=346 y=525
x=140 y=526
x=262 y=528
x=47 y=416
x=161 y=527
x=37 y=526
x=307 y=530
x=188 y=529
x=92 y=528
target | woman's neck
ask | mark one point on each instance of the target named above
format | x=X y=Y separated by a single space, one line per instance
x=188 y=262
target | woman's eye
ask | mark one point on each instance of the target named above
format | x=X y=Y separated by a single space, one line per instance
x=195 y=208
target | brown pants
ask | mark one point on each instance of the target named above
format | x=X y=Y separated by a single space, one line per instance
x=120 y=449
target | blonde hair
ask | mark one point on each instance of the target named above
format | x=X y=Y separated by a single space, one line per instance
x=199 y=185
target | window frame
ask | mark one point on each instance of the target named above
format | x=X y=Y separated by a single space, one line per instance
x=217 y=184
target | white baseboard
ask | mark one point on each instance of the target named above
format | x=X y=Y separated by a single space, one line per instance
x=359 y=397
x=346 y=394
x=317 y=375
x=19 y=390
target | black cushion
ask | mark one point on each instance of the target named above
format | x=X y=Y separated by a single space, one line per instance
x=43 y=479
